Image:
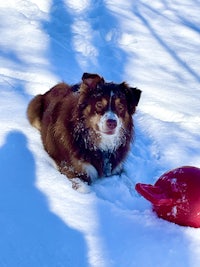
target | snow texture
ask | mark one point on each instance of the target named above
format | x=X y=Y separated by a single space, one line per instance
x=153 y=45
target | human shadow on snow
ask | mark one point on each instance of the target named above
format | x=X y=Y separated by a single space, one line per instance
x=30 y=234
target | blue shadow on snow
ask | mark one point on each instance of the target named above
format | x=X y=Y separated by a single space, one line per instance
x=63 y=56
x=30 y=234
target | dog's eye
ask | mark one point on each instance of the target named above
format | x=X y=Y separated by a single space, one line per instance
x=99 y=106
x=120 y=107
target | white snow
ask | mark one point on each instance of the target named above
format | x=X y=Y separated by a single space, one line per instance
x=153 y=45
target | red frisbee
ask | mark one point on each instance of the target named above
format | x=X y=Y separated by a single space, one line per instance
x=175 y=196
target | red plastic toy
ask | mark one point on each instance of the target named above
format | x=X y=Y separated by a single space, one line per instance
x=176 y=196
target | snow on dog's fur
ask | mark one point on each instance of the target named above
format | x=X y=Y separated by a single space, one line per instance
x=86 y=128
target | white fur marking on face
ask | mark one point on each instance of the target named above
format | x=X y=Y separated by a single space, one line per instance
x=110 y=141
x=108 y=116
x=111 y=95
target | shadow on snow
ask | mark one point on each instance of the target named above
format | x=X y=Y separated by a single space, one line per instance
x=30 y=234
x=62 y=54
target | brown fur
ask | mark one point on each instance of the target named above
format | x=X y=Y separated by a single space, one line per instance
x=69 y=119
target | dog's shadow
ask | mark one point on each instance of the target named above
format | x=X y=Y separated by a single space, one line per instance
x=30 y=234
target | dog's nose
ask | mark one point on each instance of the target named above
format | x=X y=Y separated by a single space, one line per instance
x=111 y=124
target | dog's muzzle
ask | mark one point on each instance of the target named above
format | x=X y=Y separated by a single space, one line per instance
x=109 y=123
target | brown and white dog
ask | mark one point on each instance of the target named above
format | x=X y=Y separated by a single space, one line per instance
x=86 y=128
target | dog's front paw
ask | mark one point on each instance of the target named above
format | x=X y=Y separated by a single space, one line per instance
x=118 y=170
x=80 y=186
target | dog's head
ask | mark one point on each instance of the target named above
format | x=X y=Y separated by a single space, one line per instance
x=107 y=108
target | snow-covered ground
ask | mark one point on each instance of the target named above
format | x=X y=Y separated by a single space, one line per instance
x=153 y=45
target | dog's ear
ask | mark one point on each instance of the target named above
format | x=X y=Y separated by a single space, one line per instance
x=136 y=94
x=91 y=80
x=133 y=95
